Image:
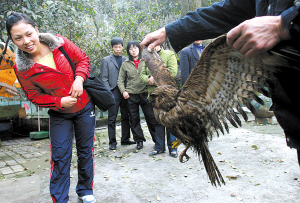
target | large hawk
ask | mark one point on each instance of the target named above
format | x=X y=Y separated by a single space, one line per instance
x=221 y=80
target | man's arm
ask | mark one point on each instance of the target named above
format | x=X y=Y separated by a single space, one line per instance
x=184 y=66
x=121 y=80
x=204 y=23
x=104 y=72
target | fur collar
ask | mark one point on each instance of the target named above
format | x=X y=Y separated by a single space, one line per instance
x=22 y=60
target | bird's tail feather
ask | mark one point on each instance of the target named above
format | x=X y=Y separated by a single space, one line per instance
x=210 y=165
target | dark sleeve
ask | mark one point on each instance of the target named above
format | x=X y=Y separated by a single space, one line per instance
x=291 y=20
x=104 y=72
x=184 y=66
x=209 y=22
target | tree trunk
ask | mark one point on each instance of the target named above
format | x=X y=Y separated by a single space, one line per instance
x=96 y=25
x=195 y=4
x=198 y=4
x=184 y=7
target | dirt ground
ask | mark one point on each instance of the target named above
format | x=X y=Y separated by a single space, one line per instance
x=254 y=161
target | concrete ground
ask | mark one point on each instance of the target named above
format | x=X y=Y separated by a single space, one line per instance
x=254 y=161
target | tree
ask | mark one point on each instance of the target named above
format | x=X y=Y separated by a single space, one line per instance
x=191 y=5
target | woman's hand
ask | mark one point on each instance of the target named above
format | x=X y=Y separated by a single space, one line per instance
x=126 y=95
x=77 y=87
x=151 y=80
x=68 y=101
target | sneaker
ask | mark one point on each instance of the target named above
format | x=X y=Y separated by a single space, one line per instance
x=155 y=153
x=173 y=154
x=88 y=199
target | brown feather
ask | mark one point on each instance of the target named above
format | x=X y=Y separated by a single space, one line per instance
x=219 y=82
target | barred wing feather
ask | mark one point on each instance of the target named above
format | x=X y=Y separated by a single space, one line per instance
x=221 y=80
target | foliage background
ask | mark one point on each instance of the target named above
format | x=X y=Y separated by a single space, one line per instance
x=91 y=24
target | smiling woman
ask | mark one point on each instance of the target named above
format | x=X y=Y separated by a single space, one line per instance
x=26 y=38
x=48 y=80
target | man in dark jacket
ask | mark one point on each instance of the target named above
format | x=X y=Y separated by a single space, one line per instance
x=110 y=68
x=252 y=27
x=189 y=57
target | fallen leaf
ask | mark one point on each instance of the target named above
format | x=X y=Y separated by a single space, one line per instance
x=158 y=198
x=232 y=177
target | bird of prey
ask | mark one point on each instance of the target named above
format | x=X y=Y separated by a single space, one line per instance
x=221 y=80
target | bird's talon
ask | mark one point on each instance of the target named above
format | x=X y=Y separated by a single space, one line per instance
x=176 y=143
x=183 y=155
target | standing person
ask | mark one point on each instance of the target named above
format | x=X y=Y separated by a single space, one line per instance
x=135 y=91
x=170 y=61
x=110 y=68
x=48 y=80
x=253 y=27
x=189 y=57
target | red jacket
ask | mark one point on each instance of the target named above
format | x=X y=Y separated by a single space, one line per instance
x=46 y=86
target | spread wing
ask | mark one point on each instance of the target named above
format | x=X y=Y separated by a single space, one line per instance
x=223 y=79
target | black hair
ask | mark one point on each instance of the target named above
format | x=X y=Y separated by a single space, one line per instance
x=15 y=18
x=115 y=41
x=135 y=44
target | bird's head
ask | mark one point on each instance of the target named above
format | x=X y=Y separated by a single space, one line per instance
x=164 y=97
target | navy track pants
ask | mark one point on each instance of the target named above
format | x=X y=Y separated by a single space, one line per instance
x=61 y=131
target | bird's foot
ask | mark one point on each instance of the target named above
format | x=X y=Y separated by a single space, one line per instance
x=176 y=143
x=183 y=154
